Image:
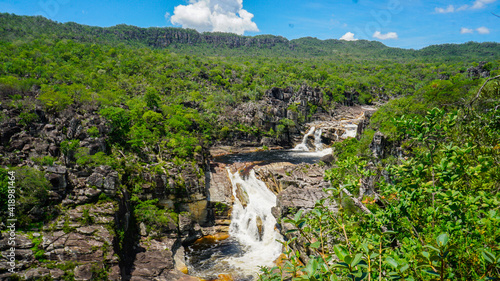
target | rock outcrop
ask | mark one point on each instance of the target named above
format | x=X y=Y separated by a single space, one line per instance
x=298 y=187
x=268 y=114
x=92 y=232
x=480 y=71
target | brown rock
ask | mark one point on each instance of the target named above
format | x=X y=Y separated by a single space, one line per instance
x=242 y=195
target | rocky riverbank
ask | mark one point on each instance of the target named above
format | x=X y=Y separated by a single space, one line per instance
x=86 y=226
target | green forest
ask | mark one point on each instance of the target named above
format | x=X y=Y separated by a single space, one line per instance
x=165 y=100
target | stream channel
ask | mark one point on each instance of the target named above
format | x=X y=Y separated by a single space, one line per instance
x=253 y=238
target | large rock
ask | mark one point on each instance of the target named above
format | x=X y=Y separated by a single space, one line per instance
x=57 y=176
x=242 y=195
x=478 y=71
x=154 y=260
x=219 y=184
x=378 y=145
x=266 y=114
x=7 y=130
x=300 y=187
x=106 y=179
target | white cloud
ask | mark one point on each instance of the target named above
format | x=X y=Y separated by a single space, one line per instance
x=480 y=30
x=478 y=4
x=167 y=15
x=449 y=9
x=389 y=35
x=483 y=30
x=349 y=36
x=464 y=30
x=214 y=15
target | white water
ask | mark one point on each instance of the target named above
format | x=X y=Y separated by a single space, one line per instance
x=303 y=146
x=260 y=249
x=351 y=131
x=317 y=139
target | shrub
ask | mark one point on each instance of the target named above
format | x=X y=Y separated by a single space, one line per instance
x=53 y=99
x=27 y=118
x=32 y=193
x=155 y=218
x=93 y=131
x=45 y=160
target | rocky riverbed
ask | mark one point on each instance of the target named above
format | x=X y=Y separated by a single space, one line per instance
x=92 y=231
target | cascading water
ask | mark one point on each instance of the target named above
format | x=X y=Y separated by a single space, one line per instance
x=303 y=145
x=253 y=239
x=253 y=225
x=317 y=139
x=318 y=145
x=351 y=131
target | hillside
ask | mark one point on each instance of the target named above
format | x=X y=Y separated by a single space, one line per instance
x=14 y=27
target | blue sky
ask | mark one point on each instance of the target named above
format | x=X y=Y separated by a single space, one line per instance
x=396 y=23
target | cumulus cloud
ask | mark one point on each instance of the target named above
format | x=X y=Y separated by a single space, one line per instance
x=389 y=35
x=214 y=15
x=349 y=36
x=478 y=4
x=480 y=30
x=449 y=9
x=483 y=30
x=464 y=30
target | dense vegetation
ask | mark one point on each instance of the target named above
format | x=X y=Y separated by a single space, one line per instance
x=187 y=41
x=434 y=211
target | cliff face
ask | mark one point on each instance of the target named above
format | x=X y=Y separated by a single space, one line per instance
x=281 y=112
x=81 y=222
x=167 y=37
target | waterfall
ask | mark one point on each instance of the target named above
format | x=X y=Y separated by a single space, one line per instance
x=351 y=130
x=317 y=139
x=253 y=225
x=303 y=146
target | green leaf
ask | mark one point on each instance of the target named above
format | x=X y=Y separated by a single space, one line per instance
x=348 y=259
x=365 y=247
x=340 y=252
x=341 y=265
x=426 y=255
x=432 y=248
x=489 y=257
x=301 y=223
x=315 y=245
x=356 y=260
x=392 y=262
x=442 y=239
x=404 y=268
x=298 y=215
x=431 y=272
